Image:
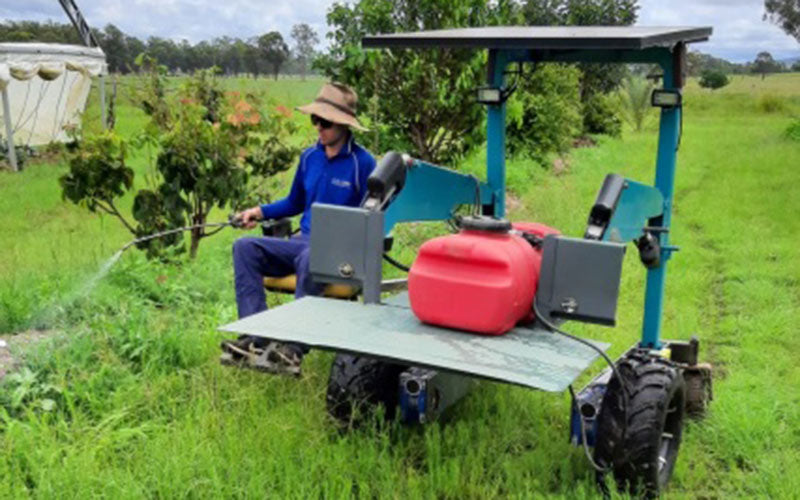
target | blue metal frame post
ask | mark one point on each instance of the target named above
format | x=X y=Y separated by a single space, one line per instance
x=668 y=138
x=496 y=134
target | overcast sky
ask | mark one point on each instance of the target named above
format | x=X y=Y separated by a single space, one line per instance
x=739 y=32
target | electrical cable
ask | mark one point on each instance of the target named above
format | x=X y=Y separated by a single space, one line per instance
x=454 y=223
x=476 y=211
x=589 y=457
x=613 y=368
x=555 y=329
x=507 y=92
x=395 y=263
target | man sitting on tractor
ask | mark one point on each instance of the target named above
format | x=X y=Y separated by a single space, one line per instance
x=333 y=171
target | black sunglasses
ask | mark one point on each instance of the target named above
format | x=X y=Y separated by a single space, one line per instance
x=322 y=122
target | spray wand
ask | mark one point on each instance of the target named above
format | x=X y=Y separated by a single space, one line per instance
x=233 y=221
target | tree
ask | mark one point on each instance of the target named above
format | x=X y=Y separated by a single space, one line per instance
x=224 y=57
x=98 y=175
x=713 y=80
x=796 y=66
x=786 y=14
x=240 y=52
x=544 y=115
x=113 y=43
x=595 y=78
x=32 y=31
x=764 y=64
x=135 y=48
x=543 y=12
x=698 y=63
x=205 y=55
x=163 y=50
x=214 y=149
x=419 y=101
x=187 y=56
x=305 y=40
x=274 y=50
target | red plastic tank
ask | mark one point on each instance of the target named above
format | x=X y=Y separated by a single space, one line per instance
x=481 y=280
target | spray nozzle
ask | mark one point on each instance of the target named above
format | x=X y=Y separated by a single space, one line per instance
x=235 y=221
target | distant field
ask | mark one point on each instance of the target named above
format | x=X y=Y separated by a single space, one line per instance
x=141 y=408
x=784 y=84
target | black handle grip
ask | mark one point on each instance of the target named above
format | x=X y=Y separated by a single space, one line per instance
x=604 y=206
x=277 y=228
x=390 y=173
x=608 y=197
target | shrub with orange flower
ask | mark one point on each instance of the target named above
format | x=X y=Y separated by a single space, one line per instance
x=243 y=114
x=215 y=149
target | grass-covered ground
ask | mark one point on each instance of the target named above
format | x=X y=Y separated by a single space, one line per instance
x=127 y=399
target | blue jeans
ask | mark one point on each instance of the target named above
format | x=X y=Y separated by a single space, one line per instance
x=254 y=258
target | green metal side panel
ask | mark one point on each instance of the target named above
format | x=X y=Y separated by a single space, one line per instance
x=638 y=203
x=432 y=193
x=529 y=357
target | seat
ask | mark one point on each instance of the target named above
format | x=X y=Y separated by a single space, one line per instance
x=282 y=228
x=288 y=284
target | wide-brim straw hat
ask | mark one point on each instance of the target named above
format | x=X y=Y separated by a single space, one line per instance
x=336 y=103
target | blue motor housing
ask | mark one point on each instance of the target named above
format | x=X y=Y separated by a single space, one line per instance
x=425 y=393
x=586 y=409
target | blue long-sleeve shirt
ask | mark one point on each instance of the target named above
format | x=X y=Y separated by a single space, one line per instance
x=341 y=180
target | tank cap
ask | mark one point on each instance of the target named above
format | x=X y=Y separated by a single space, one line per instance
x=485 y=223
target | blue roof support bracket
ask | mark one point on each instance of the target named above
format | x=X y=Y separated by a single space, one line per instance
x=432 y=193
x=637 y=205
x=668 y=140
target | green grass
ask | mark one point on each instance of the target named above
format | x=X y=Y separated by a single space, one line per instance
x=142 y=409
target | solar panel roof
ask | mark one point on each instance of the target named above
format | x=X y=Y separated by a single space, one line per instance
x=544 y=37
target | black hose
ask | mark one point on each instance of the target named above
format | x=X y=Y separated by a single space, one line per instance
x=477 y=208
x=611 y=365
x=395 y=263
x=589 y=457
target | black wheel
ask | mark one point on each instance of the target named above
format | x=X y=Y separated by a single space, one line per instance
x=651 y=422
x=357 y=384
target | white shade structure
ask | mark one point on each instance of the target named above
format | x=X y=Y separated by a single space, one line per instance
x=44 y=88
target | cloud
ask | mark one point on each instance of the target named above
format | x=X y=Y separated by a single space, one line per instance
x=739 y=31
x=31 y=10
x=194 y=20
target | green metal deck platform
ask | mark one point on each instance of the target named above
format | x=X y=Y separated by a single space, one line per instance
x=533 y=358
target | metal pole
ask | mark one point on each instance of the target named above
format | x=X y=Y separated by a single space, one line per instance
x=669 y=131
x=103 y=101
x=12 y=154
x=496 y=134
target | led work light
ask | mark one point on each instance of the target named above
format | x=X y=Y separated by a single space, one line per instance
x=491 y=95
x=663 y=98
